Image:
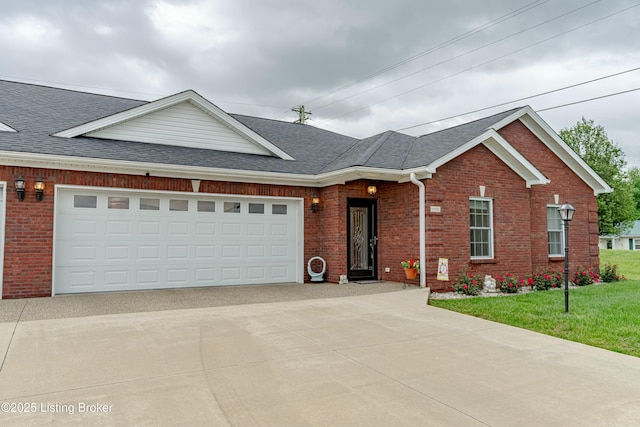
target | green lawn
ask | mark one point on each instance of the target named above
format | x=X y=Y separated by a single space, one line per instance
x=605 y=315
x=628 y=262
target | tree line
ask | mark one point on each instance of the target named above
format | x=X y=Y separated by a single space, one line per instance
x=617 y=210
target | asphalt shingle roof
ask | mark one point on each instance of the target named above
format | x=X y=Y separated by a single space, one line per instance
x=37 y=112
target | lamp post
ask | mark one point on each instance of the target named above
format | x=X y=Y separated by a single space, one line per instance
x=566 y=214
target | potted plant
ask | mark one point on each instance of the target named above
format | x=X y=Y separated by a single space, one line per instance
x=411 y=268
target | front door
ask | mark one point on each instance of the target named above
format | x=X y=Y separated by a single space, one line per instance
x=362 y=250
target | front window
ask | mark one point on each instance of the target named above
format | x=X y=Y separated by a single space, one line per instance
x=481 y=222
x=554 y=231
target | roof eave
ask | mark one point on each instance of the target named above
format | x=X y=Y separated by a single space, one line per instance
x=552 y=140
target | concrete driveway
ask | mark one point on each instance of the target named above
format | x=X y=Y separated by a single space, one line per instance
x=384 y=359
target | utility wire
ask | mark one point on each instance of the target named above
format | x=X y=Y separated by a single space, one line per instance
x=486 y=62
x=432 y=49
x=521 y=99
x=449 y=42
x=457 y=56
x=589 y=99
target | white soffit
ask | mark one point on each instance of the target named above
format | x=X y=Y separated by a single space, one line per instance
x=185 y=120
x=5 y=128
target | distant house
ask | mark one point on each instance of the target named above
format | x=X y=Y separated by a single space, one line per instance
x=629 y=241
x=104 y=194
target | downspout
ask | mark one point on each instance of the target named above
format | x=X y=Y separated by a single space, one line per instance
x=423 y=258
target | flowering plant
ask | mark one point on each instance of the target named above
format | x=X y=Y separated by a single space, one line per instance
x=411 y=264
x=585 y=277
x=468 y=285
x=509 y=284
x=546 y=280
x=609 y=273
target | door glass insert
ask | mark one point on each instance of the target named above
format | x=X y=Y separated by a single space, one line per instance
x=118 y=202
x=232 y=207
x=147 y=204
x=359 y=238
x=279 y=209
x=206 y=206
x=80 y=201
x=178 y=205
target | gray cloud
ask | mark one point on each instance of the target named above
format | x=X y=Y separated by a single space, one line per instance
x=262 y=58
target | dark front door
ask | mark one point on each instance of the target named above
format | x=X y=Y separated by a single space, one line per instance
x=362 y=245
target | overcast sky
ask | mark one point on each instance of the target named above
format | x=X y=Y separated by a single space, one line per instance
x=360 y=67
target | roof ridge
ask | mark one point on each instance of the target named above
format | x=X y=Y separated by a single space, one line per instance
x=371 y=150
x=472 y=121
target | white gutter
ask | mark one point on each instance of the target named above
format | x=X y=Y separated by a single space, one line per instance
x=423 y=261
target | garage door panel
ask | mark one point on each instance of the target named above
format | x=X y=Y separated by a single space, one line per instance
x=138 y=243
x=149 y=228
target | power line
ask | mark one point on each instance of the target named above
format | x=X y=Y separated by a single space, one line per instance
x=486 y=62
x=589 y=99
x=437 y=47
x=512 y=14
x=521 y=99
x=457 y=57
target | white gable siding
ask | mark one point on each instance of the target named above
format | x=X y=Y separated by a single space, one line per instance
x=183 y=125
x=5 y=128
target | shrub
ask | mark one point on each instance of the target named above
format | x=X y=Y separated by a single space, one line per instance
x=609 y=273
x=468 y=285
x=509 y=284
x=584 y=277
x=546 y=280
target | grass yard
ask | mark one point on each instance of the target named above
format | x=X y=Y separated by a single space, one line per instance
x=628 y=262
x=605 y=315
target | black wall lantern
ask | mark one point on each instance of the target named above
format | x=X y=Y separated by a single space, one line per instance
x=315 y=201
x=20 y=187
x=39 y=187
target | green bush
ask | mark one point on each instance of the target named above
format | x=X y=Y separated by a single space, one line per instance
x=609 y=273
x=468 y=285
x=509 y=284
x=546 y=280
x=584 y=277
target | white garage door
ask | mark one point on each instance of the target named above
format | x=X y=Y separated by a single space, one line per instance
x=114 y=240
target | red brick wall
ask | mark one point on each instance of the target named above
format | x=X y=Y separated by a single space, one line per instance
x=28 y=251
x=583 y=230
x=520 y=226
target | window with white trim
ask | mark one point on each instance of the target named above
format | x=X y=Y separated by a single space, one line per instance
x=481 y=228
x=554 y=231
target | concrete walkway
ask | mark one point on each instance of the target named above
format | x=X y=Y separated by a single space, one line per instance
x=383 y=359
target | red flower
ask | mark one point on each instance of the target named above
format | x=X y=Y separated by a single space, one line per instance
x=474 y=282
x=465 y=287
x=530 y=281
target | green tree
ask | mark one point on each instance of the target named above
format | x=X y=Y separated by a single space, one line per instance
x=616 y=210
x=634 y=179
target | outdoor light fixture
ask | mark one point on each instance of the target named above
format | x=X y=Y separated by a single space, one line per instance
x=39 y=187
x=20 y=187
x=315 y=201
x=372 y=190
x=566 y=214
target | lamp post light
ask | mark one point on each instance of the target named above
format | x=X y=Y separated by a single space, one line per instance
x=566 y=214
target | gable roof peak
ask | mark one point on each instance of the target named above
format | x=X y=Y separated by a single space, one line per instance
x=209 y=126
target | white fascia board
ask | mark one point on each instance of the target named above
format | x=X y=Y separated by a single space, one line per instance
x=5 y=128
x=552 y=140
x=169 y=101
x=512 y=158
x=84 y=164
x=504 y=151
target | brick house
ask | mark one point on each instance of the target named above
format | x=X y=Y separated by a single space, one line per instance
x=178 y=193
